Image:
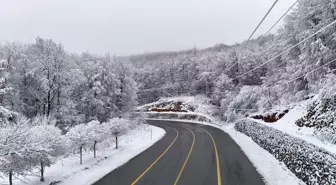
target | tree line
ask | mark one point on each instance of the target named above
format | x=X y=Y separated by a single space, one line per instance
x=43 y=79
x=224 y=74
x=53 y=102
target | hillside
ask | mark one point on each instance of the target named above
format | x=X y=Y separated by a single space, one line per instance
x=234 y=77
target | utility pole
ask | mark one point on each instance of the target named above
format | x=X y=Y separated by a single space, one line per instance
x=195 y=50
x=114 y=58
x=269 y=95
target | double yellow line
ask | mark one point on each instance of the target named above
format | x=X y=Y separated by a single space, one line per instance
x=188 y=156
x=143 y=173
x=219 y=178
x=186 y=161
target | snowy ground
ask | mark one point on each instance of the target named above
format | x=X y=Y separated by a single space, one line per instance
x=287 y=124
x=69 y=172
x=273 y=171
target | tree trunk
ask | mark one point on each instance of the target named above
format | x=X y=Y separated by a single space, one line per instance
x=80 y=155
x=116 y=142
x=10 y=178
x=48 y=104
x=42 y=172
x=94 y=149
x=48 y=96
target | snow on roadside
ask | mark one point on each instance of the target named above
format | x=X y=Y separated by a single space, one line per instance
x=69 y=172
x=287 y=124
x=187 y=121
x=273 y=171
x=180 y=114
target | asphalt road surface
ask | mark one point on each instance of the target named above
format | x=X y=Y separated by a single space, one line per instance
x=189 y=154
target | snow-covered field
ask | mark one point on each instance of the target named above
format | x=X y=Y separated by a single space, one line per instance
x=70 y=172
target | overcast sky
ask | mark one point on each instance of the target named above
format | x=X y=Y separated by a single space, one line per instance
x=135 y=26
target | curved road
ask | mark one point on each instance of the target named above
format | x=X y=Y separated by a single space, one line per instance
x=189 y=154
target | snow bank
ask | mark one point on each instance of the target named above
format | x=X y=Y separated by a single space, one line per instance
x=178 y=115
x=68 y=171
x=273 y=171
x=287 y=124
x=308 y=162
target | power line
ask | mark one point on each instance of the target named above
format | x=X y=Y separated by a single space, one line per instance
x=154 y=89
x=290 y=8
x=263 y=19
x=270 y=60
x=284 y=83
x=255 y=30
x=311 y=71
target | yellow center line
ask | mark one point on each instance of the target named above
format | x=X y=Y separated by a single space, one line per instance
x=143 y=173
x=219 y=179
x=185 y=162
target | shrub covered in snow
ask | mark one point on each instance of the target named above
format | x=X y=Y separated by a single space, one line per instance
x=7 y=116
x=118 y=125
x=27 y=144
x=311 y=164
x=14 y=147
x=321 y=115
x=327 y=86
x=88 y=135
x=246 y=99
x=241 y=104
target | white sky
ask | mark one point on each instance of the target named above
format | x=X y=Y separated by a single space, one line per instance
x=135 y=26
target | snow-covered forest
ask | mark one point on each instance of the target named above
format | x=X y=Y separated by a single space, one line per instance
x=53 y=102
x=43 y=79
x=46 y=92
x=225 y=74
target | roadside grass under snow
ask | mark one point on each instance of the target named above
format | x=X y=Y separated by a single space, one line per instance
x=69 y=171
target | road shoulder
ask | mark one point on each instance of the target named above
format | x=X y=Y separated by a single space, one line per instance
x=131 y=146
